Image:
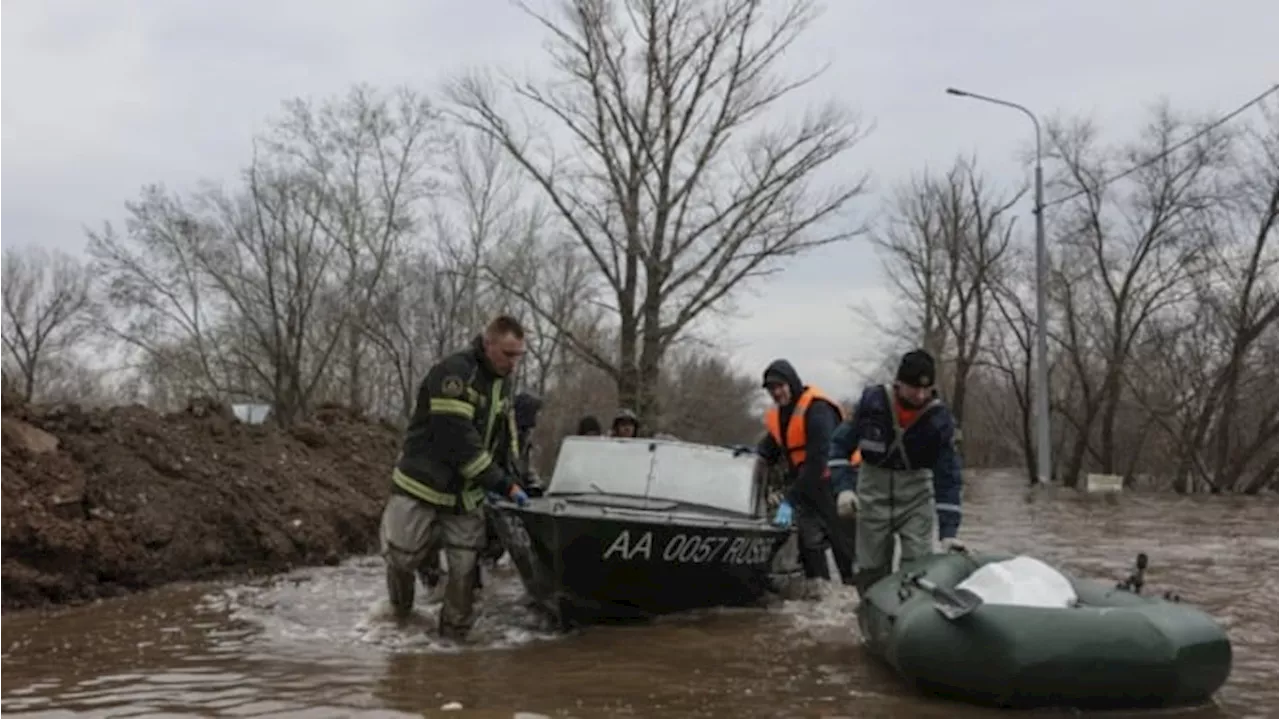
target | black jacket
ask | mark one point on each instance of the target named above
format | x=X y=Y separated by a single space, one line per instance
x=461 y=438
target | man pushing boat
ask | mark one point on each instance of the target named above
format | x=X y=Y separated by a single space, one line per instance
x=460 y=443
x=910 y=470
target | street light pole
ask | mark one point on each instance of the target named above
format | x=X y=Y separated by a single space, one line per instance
x=1044 y=463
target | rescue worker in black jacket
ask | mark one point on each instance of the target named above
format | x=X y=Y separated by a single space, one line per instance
x=460 y=443
x=799 y=435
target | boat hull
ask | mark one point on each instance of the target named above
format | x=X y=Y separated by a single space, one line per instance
x=1116 y=650
x=591 y=565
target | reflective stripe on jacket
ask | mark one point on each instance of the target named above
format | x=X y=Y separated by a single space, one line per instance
x=462 y=438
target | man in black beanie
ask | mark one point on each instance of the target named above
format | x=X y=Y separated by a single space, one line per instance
x=910 y=469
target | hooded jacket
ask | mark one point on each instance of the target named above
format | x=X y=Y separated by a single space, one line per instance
x=820 y=421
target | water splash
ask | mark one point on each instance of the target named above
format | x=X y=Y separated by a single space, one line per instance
x=320 y=642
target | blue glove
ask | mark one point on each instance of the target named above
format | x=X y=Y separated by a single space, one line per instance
x=783 y=517
x=518 y=496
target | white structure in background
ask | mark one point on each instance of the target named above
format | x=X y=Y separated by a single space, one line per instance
x=1103 y=483
x=251 y=413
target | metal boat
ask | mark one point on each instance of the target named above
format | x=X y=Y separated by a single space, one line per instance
x=633 y=528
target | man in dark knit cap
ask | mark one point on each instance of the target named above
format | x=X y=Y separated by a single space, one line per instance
x=910 y=469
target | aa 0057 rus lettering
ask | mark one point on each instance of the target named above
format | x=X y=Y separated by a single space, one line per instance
x=690 y=548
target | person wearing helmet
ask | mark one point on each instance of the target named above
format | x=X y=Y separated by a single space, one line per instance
x=625 y=424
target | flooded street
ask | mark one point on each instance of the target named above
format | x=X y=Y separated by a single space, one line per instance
x=316 y=643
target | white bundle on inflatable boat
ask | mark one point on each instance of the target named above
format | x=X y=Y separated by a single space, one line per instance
x=1021 y=581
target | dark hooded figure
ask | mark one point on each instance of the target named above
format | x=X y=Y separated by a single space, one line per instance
x=799 y=435
x=526 y=410
x=589 y=426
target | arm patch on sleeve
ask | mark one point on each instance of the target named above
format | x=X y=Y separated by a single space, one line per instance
x=452 y=386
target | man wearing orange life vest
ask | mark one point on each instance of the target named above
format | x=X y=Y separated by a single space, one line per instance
x=799 y=434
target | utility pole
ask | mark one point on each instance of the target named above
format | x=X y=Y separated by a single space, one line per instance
x=1044 y=448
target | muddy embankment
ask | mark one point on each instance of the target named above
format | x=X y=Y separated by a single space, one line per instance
x=98 y=503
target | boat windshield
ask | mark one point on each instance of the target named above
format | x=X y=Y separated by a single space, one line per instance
x=654 y=470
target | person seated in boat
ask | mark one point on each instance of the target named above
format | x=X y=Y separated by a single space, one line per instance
x=459 y=444
x=910 y=472
x=625 y=424
x=589 y=426
x=799 y=428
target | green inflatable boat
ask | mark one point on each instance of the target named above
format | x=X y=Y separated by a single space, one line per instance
x=954 y=625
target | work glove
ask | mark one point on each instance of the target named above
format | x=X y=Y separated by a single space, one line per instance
x=952 y=544
x=783 y=516
x=847 y=504
x=517 y=495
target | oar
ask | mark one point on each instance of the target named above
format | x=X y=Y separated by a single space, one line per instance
x=951 y=603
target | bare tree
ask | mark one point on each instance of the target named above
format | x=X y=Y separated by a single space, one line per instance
x=944 y=249
x=556 y=278
x=1220 y=348
x=159 y=301
x=436 y=293
x=706 y=400
x=1009 y=355
x=1135 y=250
x=46 y=304
x=234 y=281
x=372 y=154
x=674 y=191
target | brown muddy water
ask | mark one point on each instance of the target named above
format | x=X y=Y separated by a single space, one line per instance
x=316 y=643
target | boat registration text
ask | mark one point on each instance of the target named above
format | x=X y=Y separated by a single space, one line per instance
x=692 y=548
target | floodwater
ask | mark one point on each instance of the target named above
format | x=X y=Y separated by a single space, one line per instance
x=316 y=643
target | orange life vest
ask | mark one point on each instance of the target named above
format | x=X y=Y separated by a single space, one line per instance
x=793 y=444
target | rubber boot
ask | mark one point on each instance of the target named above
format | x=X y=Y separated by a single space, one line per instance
x=400 y=588
x=814 y=562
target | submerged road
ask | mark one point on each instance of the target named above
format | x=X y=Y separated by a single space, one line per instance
x=316 y=643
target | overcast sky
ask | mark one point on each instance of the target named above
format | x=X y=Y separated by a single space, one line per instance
x=103 y=96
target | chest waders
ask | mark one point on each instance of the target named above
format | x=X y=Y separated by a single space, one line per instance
x=892 y=503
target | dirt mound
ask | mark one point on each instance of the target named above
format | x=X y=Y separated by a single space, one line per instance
x=97 y=503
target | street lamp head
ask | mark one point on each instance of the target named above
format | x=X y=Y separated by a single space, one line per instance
x=953 y=91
